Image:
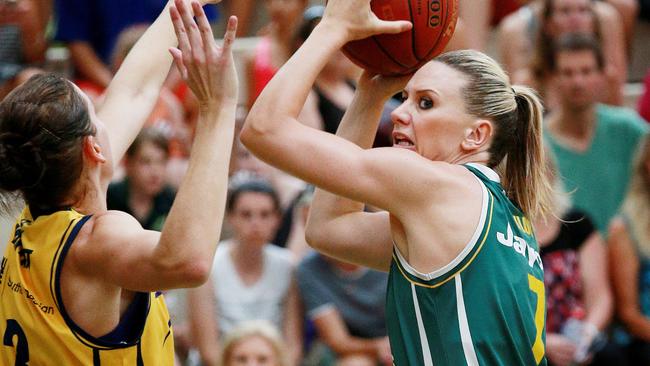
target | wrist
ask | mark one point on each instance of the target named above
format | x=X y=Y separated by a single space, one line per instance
x=333 y=32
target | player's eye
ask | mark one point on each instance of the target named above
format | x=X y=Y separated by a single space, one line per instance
x=425 y=103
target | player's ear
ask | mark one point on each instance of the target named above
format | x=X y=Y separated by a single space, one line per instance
x=92 y=150
x=477 y=135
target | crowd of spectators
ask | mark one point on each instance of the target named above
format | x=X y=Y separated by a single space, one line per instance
x=270 y=299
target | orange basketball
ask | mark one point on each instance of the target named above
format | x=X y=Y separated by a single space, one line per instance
x=433 y=21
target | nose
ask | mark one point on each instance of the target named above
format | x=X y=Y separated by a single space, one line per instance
x=401 y=115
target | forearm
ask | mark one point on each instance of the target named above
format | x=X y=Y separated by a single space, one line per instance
x=599 y=311
x=203 y=323
x=637 y=324
x=353 y=345
x=88 y=64
x=190 y=234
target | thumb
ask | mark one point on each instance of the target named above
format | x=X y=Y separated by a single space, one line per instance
x=394 y=27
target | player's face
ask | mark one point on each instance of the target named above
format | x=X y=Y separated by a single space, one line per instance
x=146 y=169
x=253 y=351
x=254 y=218
x=568 y=16
x=432 y=120
x=578 y=78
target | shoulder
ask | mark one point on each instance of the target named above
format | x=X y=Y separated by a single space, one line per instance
x=310 y=262
x=279 y=255
x=621 y=117
x=98 y=239
x=617 y=227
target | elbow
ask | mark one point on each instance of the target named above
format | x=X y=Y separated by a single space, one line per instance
x=314 y=236
x=187 y=274
x=196 y=273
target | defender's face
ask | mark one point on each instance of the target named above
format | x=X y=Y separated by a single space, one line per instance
x=254 y=218
x=253 y=351
x=578 y=78
x=432 y=119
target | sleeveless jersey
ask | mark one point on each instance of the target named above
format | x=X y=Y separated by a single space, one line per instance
x=486 y=307
x=34 y=325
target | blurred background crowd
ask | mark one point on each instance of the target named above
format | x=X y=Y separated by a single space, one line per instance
x=271 y=300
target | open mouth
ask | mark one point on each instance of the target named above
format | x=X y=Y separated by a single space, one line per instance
x=402 y=140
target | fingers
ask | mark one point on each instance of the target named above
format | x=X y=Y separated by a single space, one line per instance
x=229 y=36
x=204 y=29
x=179 y=28
x=177 y=55
x=192 y=30
x=394 y=27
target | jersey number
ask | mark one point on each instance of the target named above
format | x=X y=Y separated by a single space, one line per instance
x=537 y=287
x=22 y=350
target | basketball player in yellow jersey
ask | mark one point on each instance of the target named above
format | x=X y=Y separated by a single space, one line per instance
x=78 y=283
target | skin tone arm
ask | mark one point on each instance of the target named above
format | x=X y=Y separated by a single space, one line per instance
x=272 y=123
x=596 y=290
x=134 y=90
x=181 y=256
x=338 y=226
x=614 y=50
x=203 y=323
x=334 y=333
x=625 y=279
x=293 y=325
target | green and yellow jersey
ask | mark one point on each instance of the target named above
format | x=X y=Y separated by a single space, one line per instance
x=34 y=324
x=486 y=307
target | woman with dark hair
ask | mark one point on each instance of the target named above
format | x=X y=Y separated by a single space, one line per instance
x=459 y=187
x=251 y=279
x=82 y=281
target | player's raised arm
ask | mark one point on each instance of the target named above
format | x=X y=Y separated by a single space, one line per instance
x=134 y=90
x=271 y=130
x=182 y=257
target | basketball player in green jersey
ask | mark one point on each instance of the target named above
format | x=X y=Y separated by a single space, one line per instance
x=459 y=187
x=78 y=283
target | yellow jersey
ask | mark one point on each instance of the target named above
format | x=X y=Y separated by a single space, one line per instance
x=34 y=325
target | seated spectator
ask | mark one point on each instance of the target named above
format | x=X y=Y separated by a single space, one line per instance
x=251 y=279
x=90 y=30
x=629 y=251
x=22 y=42
x=576 y=280
x=527 y=37
x=346 y=304
x=254 y=343
x=143 y=192
x=594 y=144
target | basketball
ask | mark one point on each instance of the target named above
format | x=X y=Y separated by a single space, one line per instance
x=434 y=22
